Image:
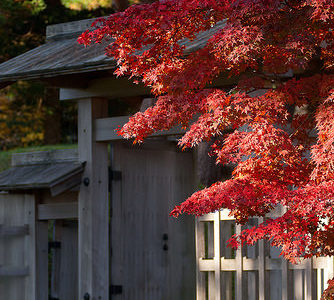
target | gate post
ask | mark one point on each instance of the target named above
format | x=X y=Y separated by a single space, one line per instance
x=93 y=204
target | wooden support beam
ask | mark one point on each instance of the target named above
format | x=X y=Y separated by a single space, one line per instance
x=93 y=204
x=69 y=196
x=105 y=129
x=7 y=231
x=110 y=87
x=14 y=271
x=54 y=211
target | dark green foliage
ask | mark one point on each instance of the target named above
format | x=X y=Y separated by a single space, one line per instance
x=28 y=105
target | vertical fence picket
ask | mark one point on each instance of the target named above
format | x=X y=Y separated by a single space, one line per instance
x=308 y=279
x=262 y=258
x=329 y=272
x=320 y=282
x=226 y=277
x=211 y=286
x=326 y=277
x=239 y=268
x=285 y=279
x=211 y=254
x=285 y=273
x=298 y=284
x=330 y=267
x=252 y=278
x=216 y=229
x=200 y=251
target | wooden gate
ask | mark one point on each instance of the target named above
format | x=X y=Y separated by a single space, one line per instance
x=17 y=247
x=254 y=272
x=153 y=254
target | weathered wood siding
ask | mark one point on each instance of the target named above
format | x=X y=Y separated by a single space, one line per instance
x=153 y=254
x=17 y=247
x=64 y=275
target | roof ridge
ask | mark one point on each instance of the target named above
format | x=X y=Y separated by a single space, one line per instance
x=68 y=27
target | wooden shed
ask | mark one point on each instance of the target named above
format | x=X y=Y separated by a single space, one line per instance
x=39 y=225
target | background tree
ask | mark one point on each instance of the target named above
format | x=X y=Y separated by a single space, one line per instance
x=22 y=27
x=276 y=123
x=27 y=107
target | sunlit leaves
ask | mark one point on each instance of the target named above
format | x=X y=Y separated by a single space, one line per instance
x=276 y=123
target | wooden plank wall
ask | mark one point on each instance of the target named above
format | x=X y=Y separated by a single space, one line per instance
x=153 y=255
x=64 y=278
x=17 y=247
x=258 y=271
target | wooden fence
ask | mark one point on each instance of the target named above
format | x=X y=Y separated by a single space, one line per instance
x=17 y=247
x=253 y=272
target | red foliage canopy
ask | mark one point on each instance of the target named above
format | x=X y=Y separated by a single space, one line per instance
x=282 y=138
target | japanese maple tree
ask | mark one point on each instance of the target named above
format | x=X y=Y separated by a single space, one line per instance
x=275 y=123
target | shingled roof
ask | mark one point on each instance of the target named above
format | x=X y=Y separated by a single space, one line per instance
x=57 y=170
x=62 y=55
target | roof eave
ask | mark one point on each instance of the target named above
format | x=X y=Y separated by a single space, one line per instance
x=7 y=80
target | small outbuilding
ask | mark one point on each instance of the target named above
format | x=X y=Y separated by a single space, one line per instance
x=39 y=225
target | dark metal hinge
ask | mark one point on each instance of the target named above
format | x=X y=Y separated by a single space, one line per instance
x=116 y=289
x=115 y=175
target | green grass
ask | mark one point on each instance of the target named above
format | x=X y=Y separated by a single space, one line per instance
x=5 y=156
